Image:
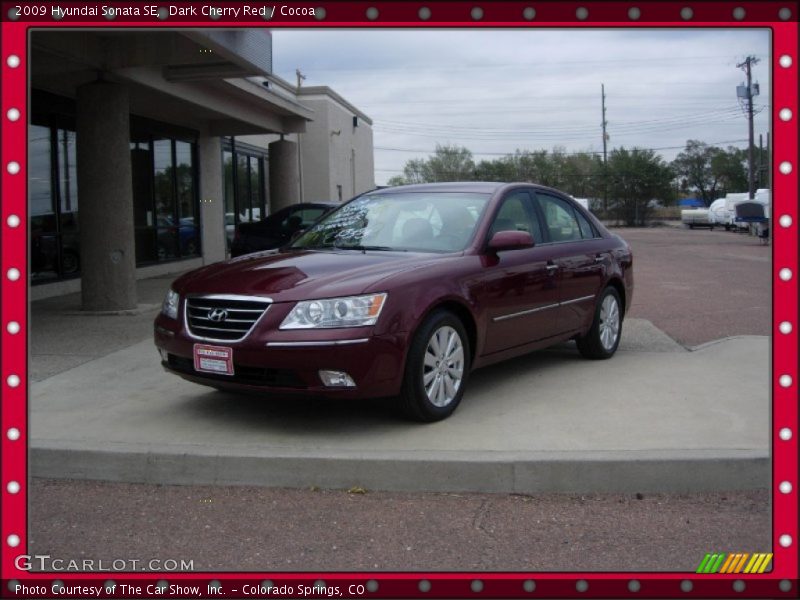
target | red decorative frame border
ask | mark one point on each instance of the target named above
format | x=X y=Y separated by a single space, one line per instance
x=781 y=582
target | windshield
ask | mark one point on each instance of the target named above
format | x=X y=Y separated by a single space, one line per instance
x=415 y=221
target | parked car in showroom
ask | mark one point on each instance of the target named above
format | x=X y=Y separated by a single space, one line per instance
x=401 y=292
x=278 y=228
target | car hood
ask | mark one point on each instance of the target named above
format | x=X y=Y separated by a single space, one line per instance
x=297 y=275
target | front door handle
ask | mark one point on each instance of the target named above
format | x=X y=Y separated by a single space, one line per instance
x=551 y=267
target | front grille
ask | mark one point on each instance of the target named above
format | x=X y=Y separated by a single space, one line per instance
x=222 y=319
x=243 y=374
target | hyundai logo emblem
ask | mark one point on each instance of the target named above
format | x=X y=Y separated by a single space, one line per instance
x=218 y=315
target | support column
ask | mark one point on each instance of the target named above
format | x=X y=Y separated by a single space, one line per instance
x=105 y=191
x=212 y=199
x=284 y=175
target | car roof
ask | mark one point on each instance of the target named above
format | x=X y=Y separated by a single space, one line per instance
x=485 y=187
x=488 y=187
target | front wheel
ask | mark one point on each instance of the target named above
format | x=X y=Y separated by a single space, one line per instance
x=436 y=369
x=602 y=339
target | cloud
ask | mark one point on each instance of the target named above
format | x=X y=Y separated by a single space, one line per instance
x=495 y=91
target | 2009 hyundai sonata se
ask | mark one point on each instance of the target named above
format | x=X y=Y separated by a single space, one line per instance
x=402 y=292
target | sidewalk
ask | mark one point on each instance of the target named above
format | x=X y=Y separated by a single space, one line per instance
x=654 y=418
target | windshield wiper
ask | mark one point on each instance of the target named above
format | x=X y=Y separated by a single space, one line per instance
x=315 y=247
x=365 y=248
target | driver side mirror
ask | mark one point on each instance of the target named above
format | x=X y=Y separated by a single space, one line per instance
x=510 y=240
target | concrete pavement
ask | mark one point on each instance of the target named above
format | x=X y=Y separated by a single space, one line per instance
x=654 y=418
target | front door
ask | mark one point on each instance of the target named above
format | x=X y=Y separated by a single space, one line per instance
x=519 y=288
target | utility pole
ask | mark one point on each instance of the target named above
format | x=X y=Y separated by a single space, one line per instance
x=605 y=153
x=769 y=163
x=300 y=77
x=748 y=94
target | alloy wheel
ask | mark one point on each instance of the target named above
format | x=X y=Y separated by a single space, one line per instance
x=443 y=366
x=609 y=322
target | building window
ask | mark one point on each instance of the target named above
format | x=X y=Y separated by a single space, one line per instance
x=245 y=197
x=53 y=203
x=165 y=190
x=165 y=200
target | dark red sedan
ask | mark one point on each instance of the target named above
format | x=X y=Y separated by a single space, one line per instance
x=402 y=292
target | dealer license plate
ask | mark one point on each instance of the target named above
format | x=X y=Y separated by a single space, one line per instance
x=213 y=359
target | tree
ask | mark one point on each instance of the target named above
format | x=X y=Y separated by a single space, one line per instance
x=501 y=169
x=415 y=171
x=693 y=167
x=451 y=163
x=448 y=163
x=583 y=175
x=730 y=168
x=710 y=172
x=635 y=177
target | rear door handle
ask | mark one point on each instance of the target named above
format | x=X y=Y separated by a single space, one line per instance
x=599 y=258
x=551 y=267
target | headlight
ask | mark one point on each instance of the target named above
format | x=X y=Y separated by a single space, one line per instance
x=353 y=311
x=169 y=307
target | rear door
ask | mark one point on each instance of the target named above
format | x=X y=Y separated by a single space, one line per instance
x=579 y=253
x=518 y=288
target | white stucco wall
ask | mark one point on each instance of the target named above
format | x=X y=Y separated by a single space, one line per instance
x=332 y=151
x=335 y=152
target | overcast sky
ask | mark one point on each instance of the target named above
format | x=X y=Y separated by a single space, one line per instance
x=496 y=91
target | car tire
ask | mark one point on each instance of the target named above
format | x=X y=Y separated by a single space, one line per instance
x=602 y=339
x=437 y=368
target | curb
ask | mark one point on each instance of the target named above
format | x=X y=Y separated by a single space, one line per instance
x=499 y=472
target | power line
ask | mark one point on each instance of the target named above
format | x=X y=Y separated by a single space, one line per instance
x=481 y=101
x=502 y=65
x=592 y=152
x=551 y=134
x=728 y=110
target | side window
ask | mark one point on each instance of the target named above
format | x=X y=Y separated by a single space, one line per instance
x=515 y=214
x=293 y=220
x=559 y=218
x=310 y=215
x=587 y=231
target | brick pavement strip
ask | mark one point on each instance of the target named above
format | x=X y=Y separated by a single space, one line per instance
x=268 y=529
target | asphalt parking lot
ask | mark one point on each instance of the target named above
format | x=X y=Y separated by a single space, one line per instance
x=684 y=285
x=699 y=285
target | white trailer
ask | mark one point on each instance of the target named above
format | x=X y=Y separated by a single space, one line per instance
x=762 y=196
x=717 y=213
x=696 y=217
x=731 y=200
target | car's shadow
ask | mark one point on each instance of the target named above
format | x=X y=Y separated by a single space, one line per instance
x=310 y=416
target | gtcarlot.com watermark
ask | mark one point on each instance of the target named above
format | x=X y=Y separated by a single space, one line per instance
x=45 y=562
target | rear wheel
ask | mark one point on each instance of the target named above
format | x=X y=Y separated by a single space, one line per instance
x=602 y=339
x=436 y=369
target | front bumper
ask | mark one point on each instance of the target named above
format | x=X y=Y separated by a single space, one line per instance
x=268 y=361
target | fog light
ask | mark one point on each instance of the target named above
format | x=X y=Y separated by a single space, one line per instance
x=164 y=355
x=336 y=379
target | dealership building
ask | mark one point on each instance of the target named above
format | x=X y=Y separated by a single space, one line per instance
x=146 y=148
